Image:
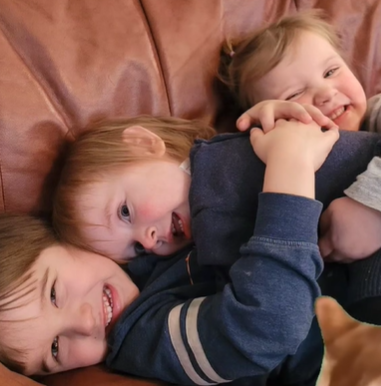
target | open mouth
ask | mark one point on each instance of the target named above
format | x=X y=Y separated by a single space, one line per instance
x=338 y=112
x=177 y=226
x=108 y=305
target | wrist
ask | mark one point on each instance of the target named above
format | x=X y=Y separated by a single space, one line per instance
x=294 y=176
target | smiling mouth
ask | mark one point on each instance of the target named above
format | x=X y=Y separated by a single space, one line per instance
x=337 y=112
x=177 y=226
x=108 y=305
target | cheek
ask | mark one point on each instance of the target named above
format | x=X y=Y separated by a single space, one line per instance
x=88 y=352
x=305 y=99
x=352 y=88
x=152 y=210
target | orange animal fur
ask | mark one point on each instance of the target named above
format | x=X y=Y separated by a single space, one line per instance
x=352 y=349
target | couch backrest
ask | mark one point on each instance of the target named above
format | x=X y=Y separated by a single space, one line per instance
x=66 y=63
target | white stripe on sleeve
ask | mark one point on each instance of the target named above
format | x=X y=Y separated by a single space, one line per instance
x=195 y=343
x=179 y=347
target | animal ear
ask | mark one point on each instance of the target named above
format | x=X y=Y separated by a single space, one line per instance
x=333 y=320
x=145 y=141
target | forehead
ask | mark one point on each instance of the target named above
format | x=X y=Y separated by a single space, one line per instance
x=307 y=55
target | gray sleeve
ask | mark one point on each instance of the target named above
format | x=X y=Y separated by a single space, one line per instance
x=367 y=187
x=372 y=119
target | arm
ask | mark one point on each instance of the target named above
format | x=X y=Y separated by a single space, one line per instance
x=351 y=226
x=185 y=337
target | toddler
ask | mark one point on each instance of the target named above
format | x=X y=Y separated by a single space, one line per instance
x=296 y=59
x=299 y=59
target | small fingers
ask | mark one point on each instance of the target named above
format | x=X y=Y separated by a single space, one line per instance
x=243 y=122
x=321 y=119
x=267 y=119
x=300 y=114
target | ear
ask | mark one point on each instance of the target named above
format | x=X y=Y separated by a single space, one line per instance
x=333 y=320
x=144 y=140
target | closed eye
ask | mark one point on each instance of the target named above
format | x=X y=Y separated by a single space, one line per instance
x=293 y=96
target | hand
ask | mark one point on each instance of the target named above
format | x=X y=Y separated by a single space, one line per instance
x=294 y=140
x=266 y=113
x=292 y=152
x=349 y=231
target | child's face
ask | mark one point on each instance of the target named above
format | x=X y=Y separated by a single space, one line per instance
x=314 y=73
x=64 y=322
x=142 y=208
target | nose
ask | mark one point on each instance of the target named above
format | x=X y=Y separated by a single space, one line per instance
x=324 y=95
x=82 y=321
x=148 y=238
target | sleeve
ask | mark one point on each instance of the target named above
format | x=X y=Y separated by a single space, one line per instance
x=249 y=328
x=372 y=120
x=367 y=187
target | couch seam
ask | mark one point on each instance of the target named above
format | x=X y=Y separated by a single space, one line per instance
x=154 y=45
x=35 y=77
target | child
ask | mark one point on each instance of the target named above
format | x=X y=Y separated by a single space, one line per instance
x=298 y=59
x=138 y=202
x=55 y=300
x=65 y=330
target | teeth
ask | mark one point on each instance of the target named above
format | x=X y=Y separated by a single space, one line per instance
x=181 y=226
x=107 y=304
x=337 y=113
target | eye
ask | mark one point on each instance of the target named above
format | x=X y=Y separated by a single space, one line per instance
x=330 y=72
x=55 y=348
x=139 y=249
x=53 y=297
x=124 y=212
x=293 y=96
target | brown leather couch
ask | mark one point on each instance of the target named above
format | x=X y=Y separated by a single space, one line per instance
x=64 y=63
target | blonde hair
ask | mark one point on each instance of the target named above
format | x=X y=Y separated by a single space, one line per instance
x=22 y=239
x=248 y=61
x=101 y=150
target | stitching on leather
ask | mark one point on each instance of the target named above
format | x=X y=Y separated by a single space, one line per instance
x=60 y=114
x=154 y=46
